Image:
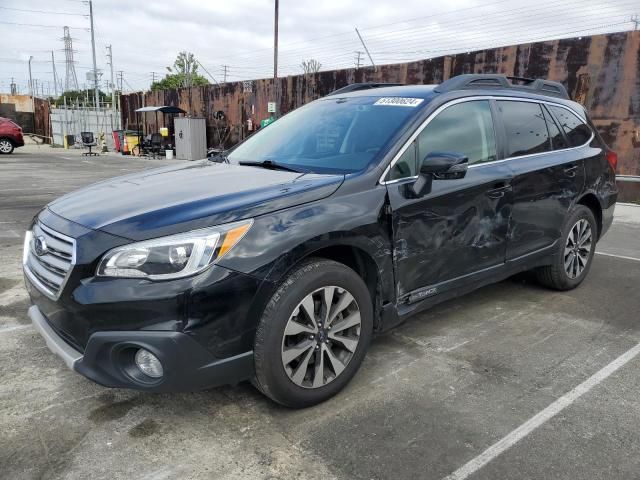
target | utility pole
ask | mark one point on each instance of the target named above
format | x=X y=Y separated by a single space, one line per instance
x=55 y=75
x=225 y=67
x=275 y=59
x=358 y=57
x=366 y=50
x=30 y=79
x=113 y=88
x=95 y=67
x=635 y=20
x=275 y=43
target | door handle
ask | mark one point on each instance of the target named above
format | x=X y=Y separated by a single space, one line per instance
x=498 y=191
x=570 y=170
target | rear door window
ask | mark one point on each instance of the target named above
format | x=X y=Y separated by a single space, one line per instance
x=576 y=130
x=525 y=127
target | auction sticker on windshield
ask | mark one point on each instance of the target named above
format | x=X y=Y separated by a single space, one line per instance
x=399 y=101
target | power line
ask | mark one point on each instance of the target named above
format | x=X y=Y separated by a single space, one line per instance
x=405 y=42
x=41 y=26
x=543 y=7
x=49 y=12
x=476 y=47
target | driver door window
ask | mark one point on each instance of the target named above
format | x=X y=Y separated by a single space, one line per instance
x=465 y=128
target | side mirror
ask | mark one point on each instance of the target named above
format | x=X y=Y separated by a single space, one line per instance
x=445 y=165
x=439 y=166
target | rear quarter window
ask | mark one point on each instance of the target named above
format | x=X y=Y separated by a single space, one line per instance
x=578 y=132
x=558 y=141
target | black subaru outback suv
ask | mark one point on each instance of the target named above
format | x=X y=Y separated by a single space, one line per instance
x=278 y=261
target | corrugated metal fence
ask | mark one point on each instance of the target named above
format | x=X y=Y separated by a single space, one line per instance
x=602 y=72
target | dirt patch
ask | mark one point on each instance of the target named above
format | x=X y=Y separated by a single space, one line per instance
x=113 y=411
x=145 y=428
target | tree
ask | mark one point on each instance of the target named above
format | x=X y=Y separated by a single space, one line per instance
x=82 y=97
x=311 y=66
x=183 y=73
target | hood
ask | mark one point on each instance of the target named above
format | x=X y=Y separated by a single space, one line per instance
x=179 y=198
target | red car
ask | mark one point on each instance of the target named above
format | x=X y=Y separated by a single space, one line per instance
x=10 y=135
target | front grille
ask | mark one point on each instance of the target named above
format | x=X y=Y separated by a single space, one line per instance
x=49 y=267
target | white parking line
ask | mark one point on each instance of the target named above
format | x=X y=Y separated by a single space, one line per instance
x=10 y=233
x=618 y=256
x=539 y=419
x=13 y=295
x=11 y=329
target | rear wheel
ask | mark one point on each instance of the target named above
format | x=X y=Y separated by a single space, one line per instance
x=6 y=146
x=313 y=334
x=572 y=260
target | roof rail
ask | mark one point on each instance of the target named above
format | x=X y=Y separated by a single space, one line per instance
x=363 y=86
x=531 y=85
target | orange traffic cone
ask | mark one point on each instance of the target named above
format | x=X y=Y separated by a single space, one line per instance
x=125 y=147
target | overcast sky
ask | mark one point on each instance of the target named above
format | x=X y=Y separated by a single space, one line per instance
x=146 y=35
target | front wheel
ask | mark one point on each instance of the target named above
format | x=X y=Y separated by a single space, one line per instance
x=6 y=146
x=313 y=334
x=572 y=260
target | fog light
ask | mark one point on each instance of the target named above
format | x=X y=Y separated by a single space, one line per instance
x=148 y=363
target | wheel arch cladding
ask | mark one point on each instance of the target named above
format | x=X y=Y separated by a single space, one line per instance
x=376 y=276
x=590 y=201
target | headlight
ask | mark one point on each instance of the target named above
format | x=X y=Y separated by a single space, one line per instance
x=175 y=256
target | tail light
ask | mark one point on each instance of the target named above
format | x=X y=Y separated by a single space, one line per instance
x=612 y=158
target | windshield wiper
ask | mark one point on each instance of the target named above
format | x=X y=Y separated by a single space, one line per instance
x=271 y=165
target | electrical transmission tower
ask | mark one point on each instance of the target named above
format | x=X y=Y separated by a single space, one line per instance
x=358 y=59
x=71 y=80
x=120 y=75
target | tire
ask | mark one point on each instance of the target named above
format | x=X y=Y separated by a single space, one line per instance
x=325 y=364
x=573 y=257
x=6 y=146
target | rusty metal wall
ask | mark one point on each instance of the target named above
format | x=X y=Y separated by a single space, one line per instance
x=602 y=72
x=19 y=109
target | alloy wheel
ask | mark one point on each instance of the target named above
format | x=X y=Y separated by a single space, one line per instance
x=5 y=146
x=321 y=337
x=578 y=248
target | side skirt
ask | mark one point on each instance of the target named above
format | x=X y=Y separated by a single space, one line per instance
x=429 y=296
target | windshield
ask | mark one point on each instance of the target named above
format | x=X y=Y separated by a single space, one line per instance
x=332 y=135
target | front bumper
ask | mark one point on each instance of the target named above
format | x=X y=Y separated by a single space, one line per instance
x=108 y=359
